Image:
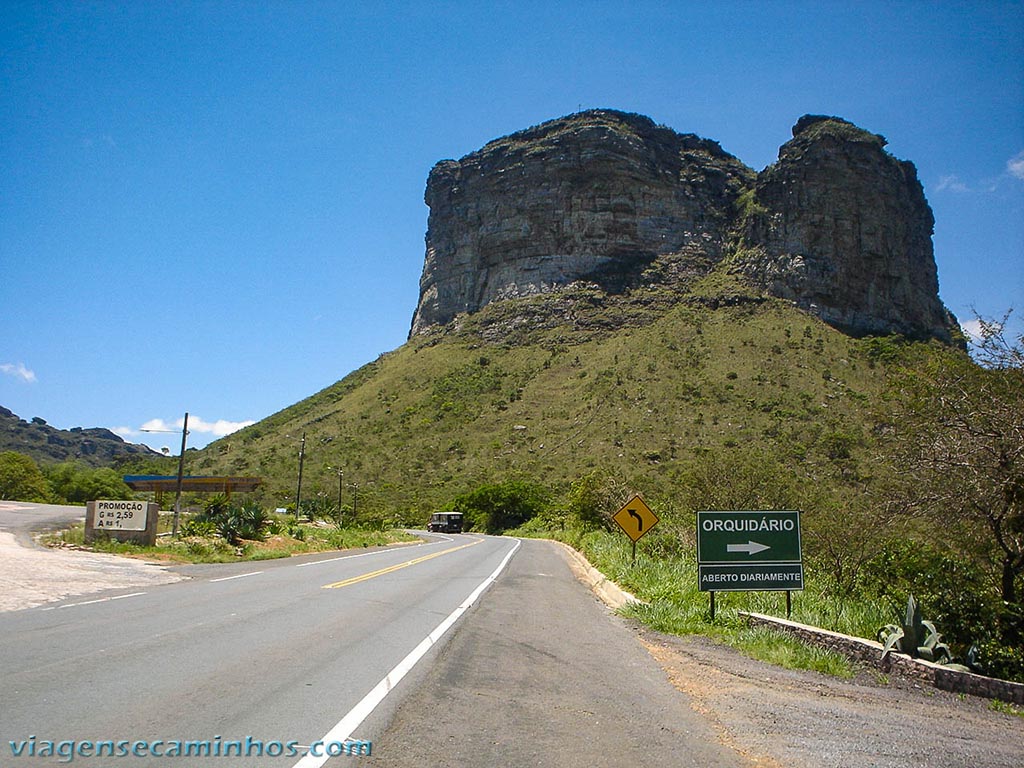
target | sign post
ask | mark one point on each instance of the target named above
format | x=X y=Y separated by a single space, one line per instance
x=635 y=519
x=749 y=552
x=122 y=520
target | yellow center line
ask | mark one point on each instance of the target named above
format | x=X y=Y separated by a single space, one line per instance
x=392 y=568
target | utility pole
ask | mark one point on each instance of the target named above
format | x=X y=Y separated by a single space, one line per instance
x=340 y=514
x=181 y=474
x=298 y=490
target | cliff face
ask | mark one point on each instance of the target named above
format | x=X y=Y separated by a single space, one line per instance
x=837 y=225
x=842 y=228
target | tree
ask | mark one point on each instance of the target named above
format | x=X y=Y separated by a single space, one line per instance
x=594 y=498
x=958 y=440
x=76 y=483
x=21 y=479
x=498 y=507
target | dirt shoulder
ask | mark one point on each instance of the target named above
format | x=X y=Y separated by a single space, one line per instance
x=780 y=717
x=34 y=575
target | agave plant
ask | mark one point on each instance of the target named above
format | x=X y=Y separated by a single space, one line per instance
x=915 y=637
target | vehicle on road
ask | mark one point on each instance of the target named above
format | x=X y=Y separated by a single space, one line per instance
x=445 y=522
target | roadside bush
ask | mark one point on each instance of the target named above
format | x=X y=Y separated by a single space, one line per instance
x=233 y=523
x=960 y=597
x=75 y=483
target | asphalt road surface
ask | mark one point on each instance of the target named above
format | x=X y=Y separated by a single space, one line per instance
x=279 y=651
x=288 y=653
x=23 y=518
x=462 y=651
x=544 y=675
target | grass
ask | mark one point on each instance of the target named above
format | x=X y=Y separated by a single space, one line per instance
x=1006 y=708
x=214 y=549
x=647 y=384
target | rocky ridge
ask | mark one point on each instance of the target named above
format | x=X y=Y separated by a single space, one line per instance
x=611 y=201
x=95 y=446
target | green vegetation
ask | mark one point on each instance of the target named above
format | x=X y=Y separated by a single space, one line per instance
x=915 y=637
x=1006 y=708
x=547 y=412
x=21 y=479
x=450 y=412
x=544 y=414
x=497 y=508
x=201 y=543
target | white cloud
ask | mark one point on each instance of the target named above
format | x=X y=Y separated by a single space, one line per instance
x=952 y=183
x=972 y=329
x=159 y=425
x=19 y=371
x=1015 y=166
x=218 y=428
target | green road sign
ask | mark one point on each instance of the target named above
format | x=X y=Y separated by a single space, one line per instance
x=751 y=578
x=755 y=551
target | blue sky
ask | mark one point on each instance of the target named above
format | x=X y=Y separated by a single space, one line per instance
x=217 y=207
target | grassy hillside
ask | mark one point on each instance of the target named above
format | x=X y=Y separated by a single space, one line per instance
x=554 y=387
x=717 y=399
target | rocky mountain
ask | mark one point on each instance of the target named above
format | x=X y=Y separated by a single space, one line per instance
x=611 y=200
x=46 y=445
x=603 y=294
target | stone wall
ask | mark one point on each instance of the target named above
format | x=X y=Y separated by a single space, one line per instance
x=870 y=652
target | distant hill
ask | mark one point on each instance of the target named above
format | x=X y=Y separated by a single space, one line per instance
x=96 y=447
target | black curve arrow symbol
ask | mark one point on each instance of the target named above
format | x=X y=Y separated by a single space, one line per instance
x=639 y=520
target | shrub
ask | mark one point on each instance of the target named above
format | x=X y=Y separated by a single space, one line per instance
x=915 y=637
x=235 y=524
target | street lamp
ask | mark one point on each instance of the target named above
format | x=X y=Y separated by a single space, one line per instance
x=181 y=469
x=341 y=473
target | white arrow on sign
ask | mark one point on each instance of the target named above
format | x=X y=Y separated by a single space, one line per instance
x=751 y=547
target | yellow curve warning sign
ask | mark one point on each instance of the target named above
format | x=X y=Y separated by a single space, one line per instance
x=635 y=518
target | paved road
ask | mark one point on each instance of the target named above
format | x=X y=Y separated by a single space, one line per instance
x=292 y=652
x=544 y=675
x=21 y=518
x=535 y=672
x=279 y=650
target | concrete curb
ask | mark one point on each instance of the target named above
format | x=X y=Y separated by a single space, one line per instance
x=870 y=652
x=610 y=593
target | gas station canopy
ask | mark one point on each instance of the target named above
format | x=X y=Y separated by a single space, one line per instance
x=209 y=484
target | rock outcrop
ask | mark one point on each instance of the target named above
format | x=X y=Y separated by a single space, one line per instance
x=96 y=447
x=611 y=199
x=842 y=228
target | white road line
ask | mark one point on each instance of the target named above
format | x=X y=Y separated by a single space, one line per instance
x=239 y=576
x=93 y=602
x=343 y=730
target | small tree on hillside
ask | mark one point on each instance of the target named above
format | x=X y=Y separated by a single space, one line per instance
x=958 y=441
x=498 y=507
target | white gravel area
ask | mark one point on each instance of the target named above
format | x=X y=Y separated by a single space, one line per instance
x=31 y=576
